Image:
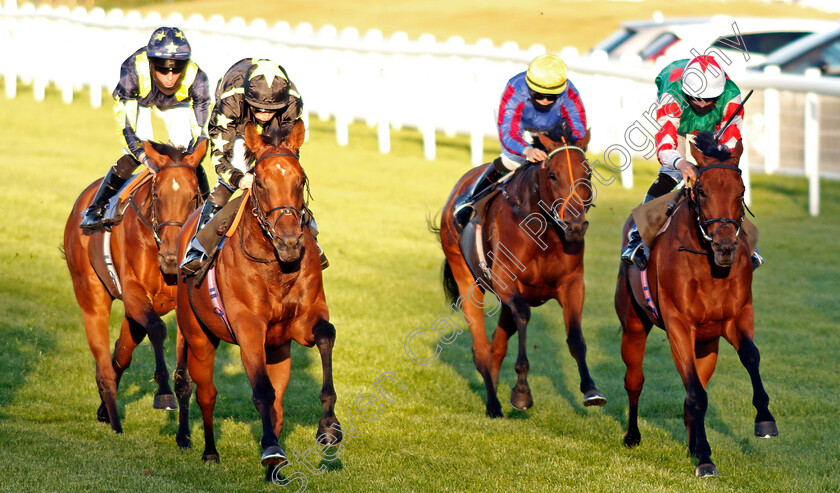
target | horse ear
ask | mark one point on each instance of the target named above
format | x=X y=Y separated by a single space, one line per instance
x=584 y=142
x=736 y=153
x=699 y=157
x=252 y=138
x=297 y=136
x=548 y=144
x=156 y=157
x=194 y=158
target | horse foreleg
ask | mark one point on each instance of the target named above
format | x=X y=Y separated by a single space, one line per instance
x=329 y=431
x=570 y=296
x=183 y=390
x=681 y=339
x=504 y=330
x=520 y=397
x=140 y=310
x=705 y=355
x=279 y=365
x=252 y=351
x=742 y=341
x=131 y=334
x=96 y=328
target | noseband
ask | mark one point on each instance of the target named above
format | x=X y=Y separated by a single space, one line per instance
x=724 y=221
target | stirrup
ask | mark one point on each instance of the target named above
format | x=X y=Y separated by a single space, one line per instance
x=757 y=260
x=634 y=256
x=324 y=261
x=194 y=258
x=92 y=222
x=464 y=213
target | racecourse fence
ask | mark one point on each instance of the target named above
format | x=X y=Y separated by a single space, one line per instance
x=433 y=86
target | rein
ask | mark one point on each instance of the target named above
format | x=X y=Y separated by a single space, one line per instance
x=153 y=198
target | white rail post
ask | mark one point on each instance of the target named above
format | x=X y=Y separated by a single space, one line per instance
x=811 y=145
x=772 y=129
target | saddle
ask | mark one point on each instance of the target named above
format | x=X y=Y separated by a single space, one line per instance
x=472 y=243
x=116 y=206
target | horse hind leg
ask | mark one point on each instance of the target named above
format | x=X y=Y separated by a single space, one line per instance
x=329 y=429
x=520 y=396
x=633 y=341
x=183 y=391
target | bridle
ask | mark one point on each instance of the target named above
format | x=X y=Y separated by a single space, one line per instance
x=721 y=221
x=269 y=228
x=152 y=223
x=552 y=213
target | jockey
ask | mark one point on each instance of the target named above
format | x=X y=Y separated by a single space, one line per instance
x=535 y=100
x=695 y=95
x=252 y=91
x=158 y=76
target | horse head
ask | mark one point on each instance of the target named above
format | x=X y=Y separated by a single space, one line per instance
x=565 y=188
x=718 y=196
x=279 y=187
x=174 y=196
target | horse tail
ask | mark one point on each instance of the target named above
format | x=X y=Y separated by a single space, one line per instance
x=433 y=226
x=450 y=287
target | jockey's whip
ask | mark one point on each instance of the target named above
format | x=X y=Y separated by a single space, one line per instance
x=734 y=114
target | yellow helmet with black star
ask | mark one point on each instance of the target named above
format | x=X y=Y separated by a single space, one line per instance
x=547 y=74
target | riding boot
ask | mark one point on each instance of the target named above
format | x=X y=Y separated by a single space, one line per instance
x=313 y=228
x=634 y=252
x=196 y=254
x=92 y=220
x=757 y=260
x=484 y=185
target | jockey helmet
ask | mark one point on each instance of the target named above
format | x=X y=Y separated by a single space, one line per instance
x=266 y=85
x=703 y=78
x=547 y=74
x=168 y=48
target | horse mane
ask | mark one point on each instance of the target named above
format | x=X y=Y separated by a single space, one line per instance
x=561 y=132
x=706 y=143
x=176 y=154
x=273 y=134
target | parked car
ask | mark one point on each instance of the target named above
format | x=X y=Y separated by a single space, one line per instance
x=746 y=41
x=820 y=50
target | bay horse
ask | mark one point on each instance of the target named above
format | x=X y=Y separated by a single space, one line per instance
x=269 y=281
x=142 y=262
x=700 y=284
x=534 y=253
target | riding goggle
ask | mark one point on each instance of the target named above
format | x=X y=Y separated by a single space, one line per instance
x=536 y=96
x=166 y=70
x=703 y=101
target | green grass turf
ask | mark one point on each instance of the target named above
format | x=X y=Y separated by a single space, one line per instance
x=383 y=283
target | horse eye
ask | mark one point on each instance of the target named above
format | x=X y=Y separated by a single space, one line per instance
x=700 y=192
x=552 y=176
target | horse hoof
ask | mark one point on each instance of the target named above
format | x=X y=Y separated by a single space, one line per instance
x=184 y=443
x=211 y=457
x=632 y=439
x=594 y=398
x=521 y=401
x=766 y=429
x=494 y=410
x=327 y=435
x=273 y=456
x=165 y=402
x=102 y=414
x=705 y=471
